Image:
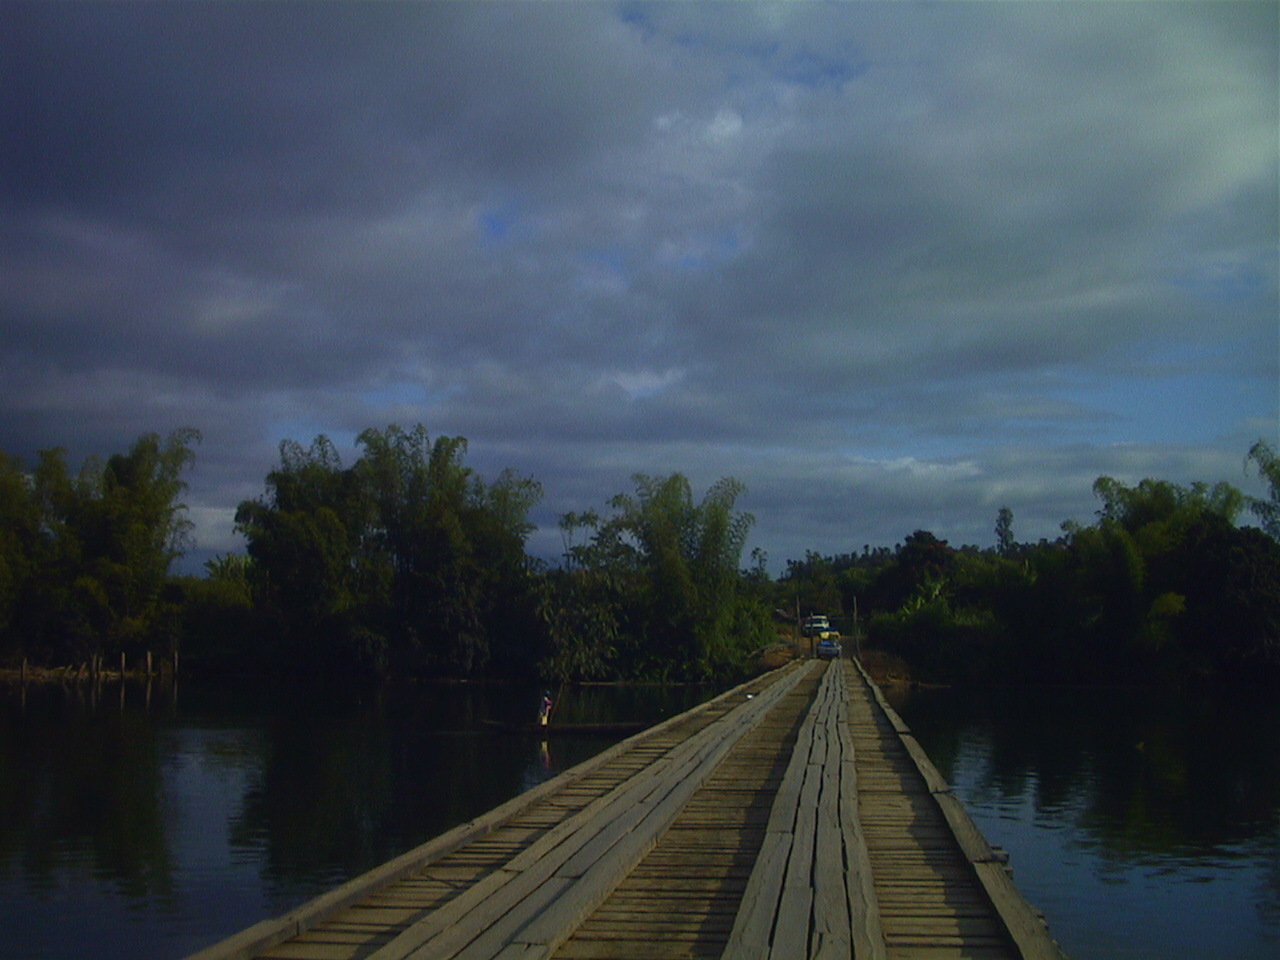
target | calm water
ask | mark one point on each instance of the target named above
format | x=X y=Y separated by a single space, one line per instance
x=1145 y=824
x=149 y=828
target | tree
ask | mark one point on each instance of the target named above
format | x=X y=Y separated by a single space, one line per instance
x=102 y=542
x=221 y=629
x=1231 y=627
x=813 y=585
x=1268 y=464
x=456 y=545
x=1004 y=531
x=675 y=565
x=19 y=540
x=134 y=528
x=1158 y=501
x=405 y=560
x=305 y=538
x=919 y=570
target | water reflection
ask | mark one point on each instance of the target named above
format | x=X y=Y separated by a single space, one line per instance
x=148 y=826
x=1141 y=821
x=100 y=816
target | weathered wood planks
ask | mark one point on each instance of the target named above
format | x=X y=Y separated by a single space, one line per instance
x=542 y=894
x=794 y=817
x=810 y=893
x=538 y=809
x=680 y=902
x=942 y=890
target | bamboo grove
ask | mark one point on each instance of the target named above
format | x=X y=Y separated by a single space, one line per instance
x=408 y=563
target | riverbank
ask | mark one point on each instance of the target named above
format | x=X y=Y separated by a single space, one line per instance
x=93 y=670
x=885 y=668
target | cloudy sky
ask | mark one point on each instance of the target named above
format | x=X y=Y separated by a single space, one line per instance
x=890 y=265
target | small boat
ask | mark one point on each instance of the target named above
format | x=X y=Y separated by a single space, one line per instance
x=565 y=729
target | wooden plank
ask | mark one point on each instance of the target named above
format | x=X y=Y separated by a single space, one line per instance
x=980 y=926
x=692 y=879
x=831 y=937
x=451 y=927
x=296 y=950
x=496 y=927
x=1023 y=924
x=518 y=951
x=651 y=950
x=945 y=892
x=762 y=900
x=521 y=895
x=631 y=926
x=891 y=715
x=246 y=944
x=486 y=901
x=626 y=923
x=973 y=844
x=810 y=910
x=934 y=780
x=554 y=925
x=864 y=909
x=791 y=933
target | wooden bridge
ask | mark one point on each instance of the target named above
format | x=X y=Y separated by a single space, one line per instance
x=794 y=816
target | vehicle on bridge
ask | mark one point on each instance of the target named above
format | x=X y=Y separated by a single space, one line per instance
x=815 y=625
x=827 y=641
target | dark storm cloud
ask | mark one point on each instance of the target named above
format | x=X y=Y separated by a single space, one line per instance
x=898 y=262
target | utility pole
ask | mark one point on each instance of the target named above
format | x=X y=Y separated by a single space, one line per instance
x=857 y=638
x=799 y=622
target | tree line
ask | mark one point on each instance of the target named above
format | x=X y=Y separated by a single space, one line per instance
x=1165 y=586
x=407 y=562
x=85 y=555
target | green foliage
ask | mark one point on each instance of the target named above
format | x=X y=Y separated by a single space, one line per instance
x=579 y=608
x=1231 y=582
x=84 y=559
x=231 y=571
x=20 y=537
x=922 y=565
x=814 y=585
x=1268 y=464
x=657 y=588
x=405 y=560
x=1004 y=531
x=220 y=626
x=1164 y=586
x=940 y=641
x=408 y=561
x=1159 y=501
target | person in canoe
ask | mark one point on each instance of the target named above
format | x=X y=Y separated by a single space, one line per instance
x=544 y=709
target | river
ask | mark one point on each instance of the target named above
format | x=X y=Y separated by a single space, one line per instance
x=147 y=825
x=1144 y=823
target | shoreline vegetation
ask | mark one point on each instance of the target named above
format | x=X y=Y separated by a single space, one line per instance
x=79 y=674
x=407 y=564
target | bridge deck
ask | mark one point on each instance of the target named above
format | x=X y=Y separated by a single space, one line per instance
x=792 y=817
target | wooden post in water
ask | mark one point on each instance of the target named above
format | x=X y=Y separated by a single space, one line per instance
x=22 y=673
x=122 y=666
x=149 y=674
